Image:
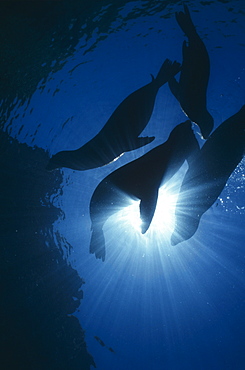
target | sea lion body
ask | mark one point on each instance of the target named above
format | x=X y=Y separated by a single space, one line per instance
x=121 y=132
x=139 y=180
x=191 y=89
x=208 y=175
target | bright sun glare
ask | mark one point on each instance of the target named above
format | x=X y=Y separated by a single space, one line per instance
x=163 y=220
x=126 y=223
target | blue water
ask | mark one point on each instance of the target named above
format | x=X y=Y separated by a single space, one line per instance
x=158 y=306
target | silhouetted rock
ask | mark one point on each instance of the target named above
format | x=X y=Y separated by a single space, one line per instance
x=39 y=290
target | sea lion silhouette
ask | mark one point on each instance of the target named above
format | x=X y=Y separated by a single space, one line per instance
x=191 y=89
x=139 y=180
x=121 y=131
x=208 y=174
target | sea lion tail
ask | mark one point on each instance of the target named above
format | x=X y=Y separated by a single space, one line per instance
x=167 y=71
x=97 y=243
x=185 y=22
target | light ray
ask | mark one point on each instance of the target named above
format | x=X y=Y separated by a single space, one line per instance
x=127 y=221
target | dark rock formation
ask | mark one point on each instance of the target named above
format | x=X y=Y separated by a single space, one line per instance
x=39 y=290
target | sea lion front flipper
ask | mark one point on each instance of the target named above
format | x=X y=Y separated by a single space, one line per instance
x=139 y=142
x=147 y=210
x=174 y=88
x=97 y=244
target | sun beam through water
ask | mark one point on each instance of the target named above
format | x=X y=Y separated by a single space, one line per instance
x=163 y=219
x=122 y=230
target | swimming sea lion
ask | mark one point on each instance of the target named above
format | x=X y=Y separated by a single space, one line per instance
x=191 y=89
x=120 y=133
x=208 y=174
x=139 y=180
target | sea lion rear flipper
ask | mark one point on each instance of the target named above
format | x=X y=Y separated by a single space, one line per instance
x=147 y=210
x=185 y=22
x=174 y=88
x=167 y=71
x=139 y=142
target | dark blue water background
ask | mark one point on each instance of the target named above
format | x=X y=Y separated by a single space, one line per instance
x=159 y=307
